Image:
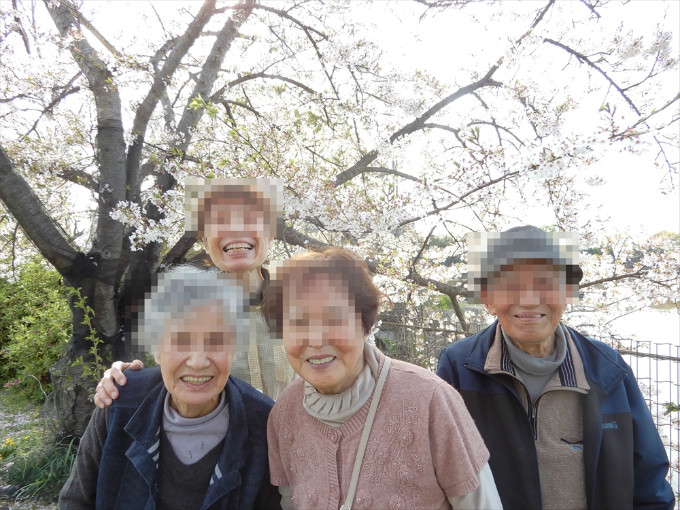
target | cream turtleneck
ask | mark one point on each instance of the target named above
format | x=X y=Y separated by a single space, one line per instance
x=334 y=410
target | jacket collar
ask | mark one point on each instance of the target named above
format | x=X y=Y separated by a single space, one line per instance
x=227 y=474
x=144 y=428
x=601 y=366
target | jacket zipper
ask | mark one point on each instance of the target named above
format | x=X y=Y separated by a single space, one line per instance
x=532 y=417
x=532 y=413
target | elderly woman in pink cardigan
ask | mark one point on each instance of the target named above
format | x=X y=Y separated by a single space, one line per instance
x=357 y=429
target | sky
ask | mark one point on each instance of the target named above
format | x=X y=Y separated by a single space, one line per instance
x=634 y=193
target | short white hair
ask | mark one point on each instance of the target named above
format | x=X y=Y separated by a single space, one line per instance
x=178 y=292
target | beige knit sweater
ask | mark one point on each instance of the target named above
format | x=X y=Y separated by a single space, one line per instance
x=423 y=447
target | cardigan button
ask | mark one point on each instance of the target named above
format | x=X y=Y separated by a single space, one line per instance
x=334 y=436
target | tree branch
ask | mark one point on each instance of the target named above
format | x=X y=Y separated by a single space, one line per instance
x=20 y=29
x=459 y=314
x=287 y=16
x=79 y=177
x=457 y=201
x=10 y=99
x=417 y=124
x=637 y=274
x=53 y=103
x=358 y=167
x=84 y=21
x=110 y=142
x=215 y=97
x=497 y=127
x=591 y=8
x=456 y=132
x=537 y=20
x=296 y=238
x=178 y=252
x=211 y=69
x=308 y=32
x=161 y=79
x=582 y=58
x=422 y=249
x=387 y=171
x=645 y=119
x=29 y=212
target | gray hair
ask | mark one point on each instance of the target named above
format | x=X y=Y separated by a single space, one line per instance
x=180 y=291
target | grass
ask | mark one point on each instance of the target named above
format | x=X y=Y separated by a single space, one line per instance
x=42 y=472
x=33 y=463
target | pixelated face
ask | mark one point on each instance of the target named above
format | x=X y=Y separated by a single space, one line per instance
x=195 y=356
x=528 y=300
x=238 y=236
x=322 y=333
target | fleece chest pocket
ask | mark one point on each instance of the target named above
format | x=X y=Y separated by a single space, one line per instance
x=559 y=447
x=559 y=430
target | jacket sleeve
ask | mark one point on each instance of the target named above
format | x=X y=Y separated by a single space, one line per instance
x=445 y=368
x=651 y=490
x=80 y=490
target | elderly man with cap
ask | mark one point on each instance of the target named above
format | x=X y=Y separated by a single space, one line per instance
x=562 y=415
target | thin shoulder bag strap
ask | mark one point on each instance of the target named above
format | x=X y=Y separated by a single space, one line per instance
x=364 y=435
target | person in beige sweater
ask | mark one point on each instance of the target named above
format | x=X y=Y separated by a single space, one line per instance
x=359 y=430
x=237 y=221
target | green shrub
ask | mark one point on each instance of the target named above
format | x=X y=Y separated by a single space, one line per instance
x=35 y=325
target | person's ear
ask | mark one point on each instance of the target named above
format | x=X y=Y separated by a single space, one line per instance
x=483 y=298
x=572 y=293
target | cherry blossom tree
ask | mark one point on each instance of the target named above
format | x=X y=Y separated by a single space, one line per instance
x=393 y=155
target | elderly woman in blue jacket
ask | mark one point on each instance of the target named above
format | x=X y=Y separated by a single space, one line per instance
x=561 y=414
x=187 y=435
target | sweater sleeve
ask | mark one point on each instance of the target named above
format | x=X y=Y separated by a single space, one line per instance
x=80 y=490
x=457 y=449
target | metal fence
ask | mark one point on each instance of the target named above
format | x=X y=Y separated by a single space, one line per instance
x=657 y=369
x=655 y=365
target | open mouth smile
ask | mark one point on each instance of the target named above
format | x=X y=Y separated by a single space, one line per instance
x=196 y=381
x=321 y=361
x=529 y=316
x=237 y=247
